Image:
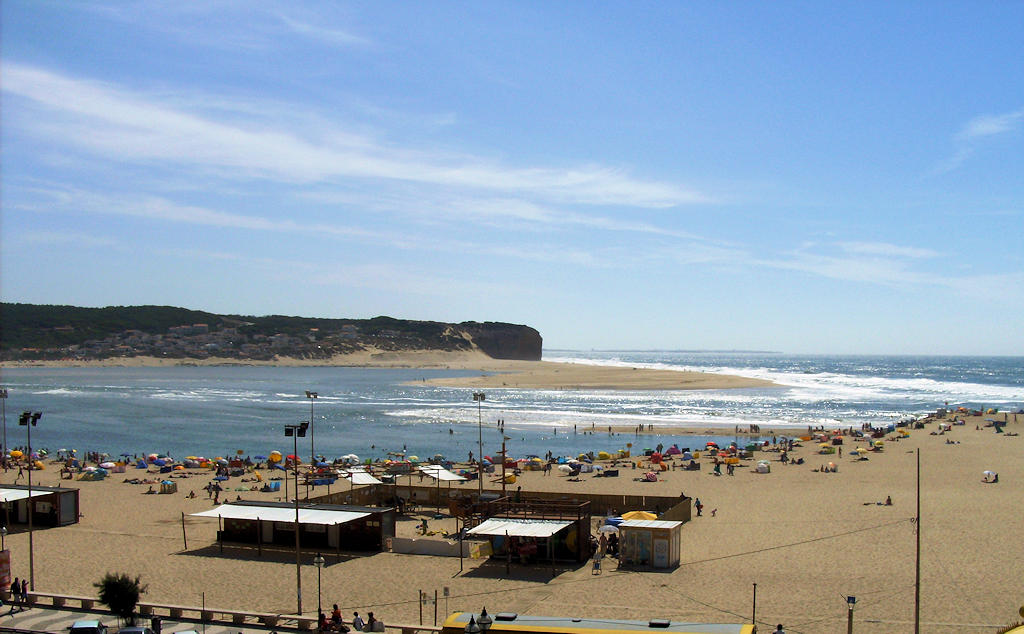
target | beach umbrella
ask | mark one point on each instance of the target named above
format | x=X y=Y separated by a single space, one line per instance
x=414 y=458
x=222 y=462
x=107 y=465
x=220 y=478
x=260 y=457
x=608 y=528
x=564 y=468
x=639 y=515
x=160 y=462
x=879 y=443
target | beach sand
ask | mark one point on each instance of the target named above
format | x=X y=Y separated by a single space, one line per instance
x=494 y=372
x=807 y=539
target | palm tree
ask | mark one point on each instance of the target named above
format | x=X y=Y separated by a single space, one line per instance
x=120 y=593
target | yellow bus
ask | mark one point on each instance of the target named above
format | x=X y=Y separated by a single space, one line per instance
x=512 y=623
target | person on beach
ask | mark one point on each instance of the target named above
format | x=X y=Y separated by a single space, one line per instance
x=698 y=506
x=357 y=622
x=15 y=593
x=779 y=630
x=335 y=615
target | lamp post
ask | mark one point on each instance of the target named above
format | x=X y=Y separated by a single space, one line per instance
x=480 y=397
x=312 y=396
x=484 y=621
x=3 y=397
x=319 y=562
x=3 y=537
x=296 y=432
x=29 y=420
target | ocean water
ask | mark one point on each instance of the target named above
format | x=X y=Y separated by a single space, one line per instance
x=217 y=411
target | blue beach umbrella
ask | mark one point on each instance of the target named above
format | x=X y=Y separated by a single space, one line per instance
x=260 y=457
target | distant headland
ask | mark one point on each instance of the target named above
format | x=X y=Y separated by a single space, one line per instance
x=31 y=333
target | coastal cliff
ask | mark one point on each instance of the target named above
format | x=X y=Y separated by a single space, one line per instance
x=30 y=332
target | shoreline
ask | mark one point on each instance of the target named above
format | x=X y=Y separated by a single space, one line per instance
x=496 y=373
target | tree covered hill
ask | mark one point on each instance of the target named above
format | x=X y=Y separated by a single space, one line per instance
x=33 y=332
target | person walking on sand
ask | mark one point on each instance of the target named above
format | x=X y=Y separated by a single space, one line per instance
x=698 y=506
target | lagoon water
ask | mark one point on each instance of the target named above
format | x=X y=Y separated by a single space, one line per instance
x=225 y=410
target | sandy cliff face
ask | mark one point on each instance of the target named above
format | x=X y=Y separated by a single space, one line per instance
x=506 y=341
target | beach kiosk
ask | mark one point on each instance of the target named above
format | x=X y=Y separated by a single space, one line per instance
x=654 y=543
x=50 y=506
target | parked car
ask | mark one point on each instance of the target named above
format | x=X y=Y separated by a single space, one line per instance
x=135 y=629
x=88 y=627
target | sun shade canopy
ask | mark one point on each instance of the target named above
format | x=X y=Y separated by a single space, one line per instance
x=11 y=495
x=519 y=528
x=440 y=473
x=281 y=514
x=359 y=477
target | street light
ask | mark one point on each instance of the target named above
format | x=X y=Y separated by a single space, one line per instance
x=484 y=621
x=3 y=537
x=480 y=397
x=296 y=432
x=312 y=447
x=29 y=420
x=472 y=627
x=319 y=562
x=3 y=397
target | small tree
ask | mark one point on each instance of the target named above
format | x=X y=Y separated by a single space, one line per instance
x=120 y=593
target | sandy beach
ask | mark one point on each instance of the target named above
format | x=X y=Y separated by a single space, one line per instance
x=494 y=373
x=807 y=539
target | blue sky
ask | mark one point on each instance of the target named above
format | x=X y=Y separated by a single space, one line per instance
x=792 y=176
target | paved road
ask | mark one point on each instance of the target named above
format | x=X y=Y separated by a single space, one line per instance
x=58 y=620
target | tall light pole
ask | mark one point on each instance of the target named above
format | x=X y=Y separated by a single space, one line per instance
x=296 y=432
x=3 y=397
x=479 y=397
x=29 y=420
x=319 y=562
x=312 y=436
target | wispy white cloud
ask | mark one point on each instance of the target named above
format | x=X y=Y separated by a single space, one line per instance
x=977 y=131
x=123 y=125
x=327 y=35
x=991 y=125
x=60 y=238
x=887 y=250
